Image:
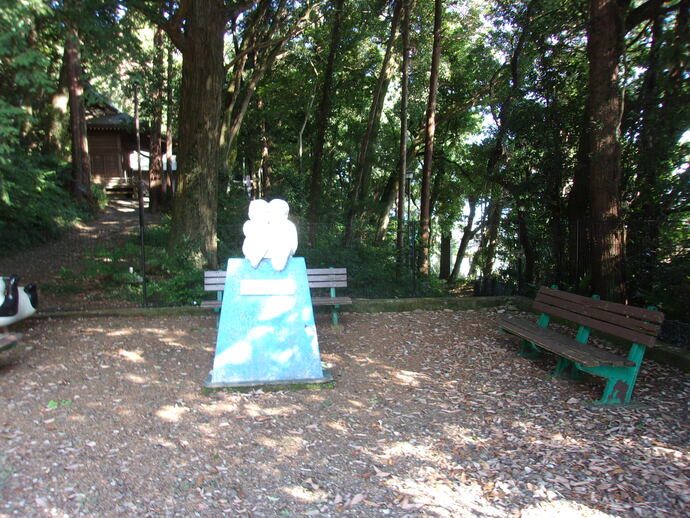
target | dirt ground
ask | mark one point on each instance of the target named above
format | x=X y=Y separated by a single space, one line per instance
x=58 y=264
x=432 y=414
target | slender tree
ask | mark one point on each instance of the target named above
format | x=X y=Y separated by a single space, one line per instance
x=155 y=156
x=402 y=170
x=425 y=210
x=362 y=173
x=322 y=117
x=467 y=235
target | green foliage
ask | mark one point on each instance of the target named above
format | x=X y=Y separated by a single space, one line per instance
x=34 y=207
x=171 y=278
x=371 y=268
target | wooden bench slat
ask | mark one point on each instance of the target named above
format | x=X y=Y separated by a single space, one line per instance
x=330 y=301
x=583 y=308
x=614 y=307
x=584 y=354
x=327 y=284
x=217 y=278
x=318 y=278
x=320 y=271
x=338 y=277
x=614 y=330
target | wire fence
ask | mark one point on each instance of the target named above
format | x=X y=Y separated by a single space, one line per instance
x=98 y=265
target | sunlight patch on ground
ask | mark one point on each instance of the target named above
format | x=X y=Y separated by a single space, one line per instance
x=253 y=410
x=410 y=449
x=219 y=408
x=338 y=427
x=139 y=380
x=306 y=495
x=133 y=356
x=408 y=377
x=562 y=509
x=442 y=499
x=120 y=332
x=172 y=413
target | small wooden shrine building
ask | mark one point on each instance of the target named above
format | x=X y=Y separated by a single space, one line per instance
x=112 y=140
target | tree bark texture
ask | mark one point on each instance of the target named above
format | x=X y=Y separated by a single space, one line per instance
x=467 y=235
x=81 y=162
x=196 y=201
x=402 y=172
x=155 y=157
x=425 y=209
x=493 y=224
x=578 y=215
x=604 y=104
x=57 y=116
x=322 y=116
x=169 y=181
x=526 y=245
x=444 y=265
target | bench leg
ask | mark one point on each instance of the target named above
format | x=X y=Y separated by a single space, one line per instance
x=620 y=381
x=334 y=311
x=566 y=369
x=530 y=350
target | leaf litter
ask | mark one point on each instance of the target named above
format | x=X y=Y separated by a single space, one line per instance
x=433 y=414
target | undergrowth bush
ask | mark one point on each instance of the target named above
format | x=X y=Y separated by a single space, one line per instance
x=34 y=206
x=171 y=279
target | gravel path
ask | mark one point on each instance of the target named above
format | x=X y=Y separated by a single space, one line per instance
x=433 y=414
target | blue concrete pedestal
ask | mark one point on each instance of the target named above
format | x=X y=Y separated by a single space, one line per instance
x=266 y=332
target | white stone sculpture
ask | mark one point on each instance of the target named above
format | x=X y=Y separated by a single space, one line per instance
x=269 y=234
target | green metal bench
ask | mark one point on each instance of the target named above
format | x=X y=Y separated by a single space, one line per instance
x=320 y=279
x=576 y=355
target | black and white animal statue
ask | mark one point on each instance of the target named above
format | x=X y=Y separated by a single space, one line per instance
x=16 y=302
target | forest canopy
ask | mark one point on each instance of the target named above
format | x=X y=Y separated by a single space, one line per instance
x=419 y=143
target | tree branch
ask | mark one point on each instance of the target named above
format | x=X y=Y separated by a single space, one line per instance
x=647 y=11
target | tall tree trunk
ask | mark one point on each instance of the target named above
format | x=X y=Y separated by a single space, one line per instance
x=402 y=172
x=322 y=116
x=155 y=157
x=196 y=200
x=265 y=169
x=493 y=224
x=57 y=116
x=578 y=215
x=425 y=209
x=483 y=240
x=300 y=135
x=526 y=245
x=170 y=180
x=467 y=235
x=81 y=162
x=604 y=103
x=362 y=172
x=444 y=266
